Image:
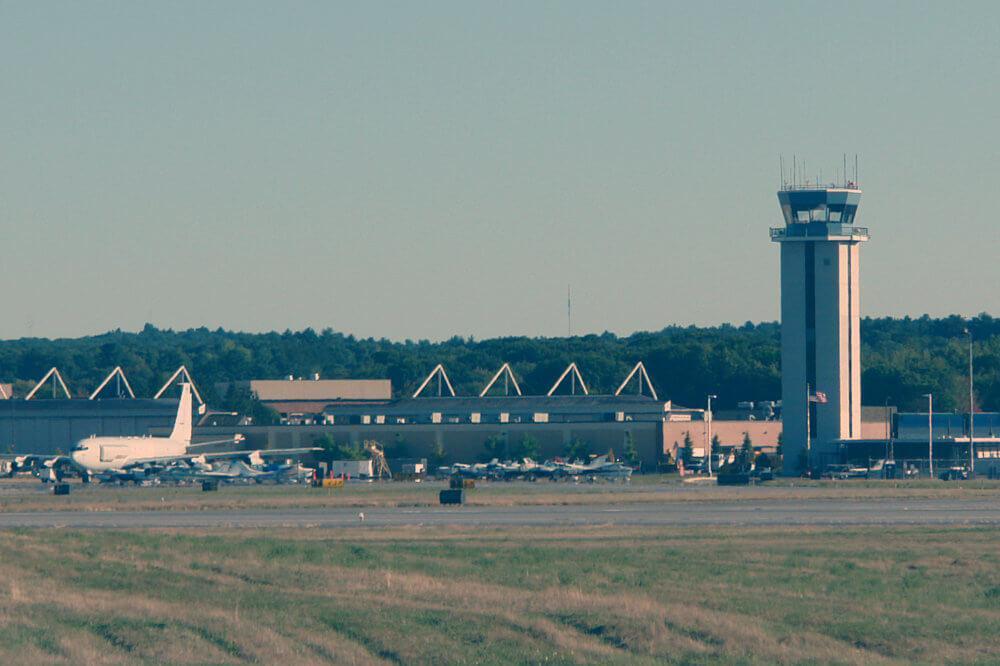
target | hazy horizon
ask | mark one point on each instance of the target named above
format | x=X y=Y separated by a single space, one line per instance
x=581 y=334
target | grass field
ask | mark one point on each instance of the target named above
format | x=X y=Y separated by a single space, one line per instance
x=418 y=595
x=22 y=495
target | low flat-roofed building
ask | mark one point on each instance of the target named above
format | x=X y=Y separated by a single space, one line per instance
x=763 y=435
x=311 y=396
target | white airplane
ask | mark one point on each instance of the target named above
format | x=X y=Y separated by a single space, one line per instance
x=597 y=468
x=111 y=456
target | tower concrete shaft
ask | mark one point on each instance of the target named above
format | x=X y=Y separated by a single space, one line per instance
x=820 y=323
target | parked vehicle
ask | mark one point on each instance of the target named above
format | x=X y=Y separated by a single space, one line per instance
x=954 y=474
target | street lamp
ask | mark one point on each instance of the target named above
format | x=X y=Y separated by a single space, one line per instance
x=708 y=447
x=888 y=432
x=972 y=455
x=930 y=433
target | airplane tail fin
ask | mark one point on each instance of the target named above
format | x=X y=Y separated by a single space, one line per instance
x=182 y=424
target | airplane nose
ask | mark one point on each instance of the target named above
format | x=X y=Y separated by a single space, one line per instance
x=78 y=455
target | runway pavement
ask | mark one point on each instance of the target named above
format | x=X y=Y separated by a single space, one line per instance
x=753 y=512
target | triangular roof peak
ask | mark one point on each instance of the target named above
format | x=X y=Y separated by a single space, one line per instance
x=639 y=369
x=122 y=379
x=508 y=378
x=185 y=376
x=442 y=377
x=56 y=377
x=574 y=375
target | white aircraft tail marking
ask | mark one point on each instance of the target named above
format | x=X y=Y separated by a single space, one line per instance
x=182 y=425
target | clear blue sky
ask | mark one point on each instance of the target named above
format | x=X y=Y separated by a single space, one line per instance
x=423 y=170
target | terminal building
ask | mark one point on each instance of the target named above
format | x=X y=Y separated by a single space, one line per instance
x=912 y=444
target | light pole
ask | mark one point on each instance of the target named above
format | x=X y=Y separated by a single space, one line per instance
x=708 y=447
x=930 y=433
x=972 y=455
x=888 y=432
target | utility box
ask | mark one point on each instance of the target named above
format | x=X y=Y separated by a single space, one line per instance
x=209 y=485
x=733 y=479
x=60 y=489
x=328 y=483
x=452 y=496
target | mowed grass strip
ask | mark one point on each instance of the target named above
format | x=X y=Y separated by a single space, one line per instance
x=419 y=595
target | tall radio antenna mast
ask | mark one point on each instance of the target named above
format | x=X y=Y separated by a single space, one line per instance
x=569 y=313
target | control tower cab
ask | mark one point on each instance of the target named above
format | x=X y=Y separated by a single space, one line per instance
x=820 y=322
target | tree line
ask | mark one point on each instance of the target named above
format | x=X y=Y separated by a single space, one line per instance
x=902 y=359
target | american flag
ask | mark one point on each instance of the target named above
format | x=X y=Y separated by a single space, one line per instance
x=817 y=396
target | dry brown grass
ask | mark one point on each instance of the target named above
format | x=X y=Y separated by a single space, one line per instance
x=416 y=595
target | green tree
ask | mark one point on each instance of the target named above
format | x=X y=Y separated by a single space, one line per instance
x=244 y=402
x=716 y=445
x=494 y=446
x=348 y=451
x=745 y=455
x=576 y=448
x=902 y=358
x=528 y=447
x=629 y=453
x=327 y=443
x=340 y=451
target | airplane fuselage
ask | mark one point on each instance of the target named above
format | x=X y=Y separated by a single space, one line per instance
x=102 y=454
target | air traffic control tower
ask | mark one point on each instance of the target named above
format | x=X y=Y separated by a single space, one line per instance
x=820 y=332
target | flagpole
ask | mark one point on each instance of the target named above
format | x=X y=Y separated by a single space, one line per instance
x=808 y=433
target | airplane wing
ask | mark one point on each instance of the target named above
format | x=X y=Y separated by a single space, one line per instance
x=221 y=455
x=287 y=453
x=235 y=439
